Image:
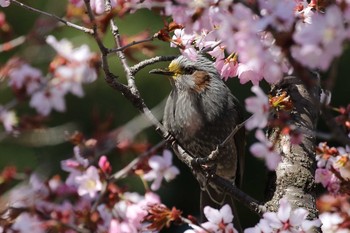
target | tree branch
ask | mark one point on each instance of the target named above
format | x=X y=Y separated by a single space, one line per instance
x=67 y=23
x=295 y=173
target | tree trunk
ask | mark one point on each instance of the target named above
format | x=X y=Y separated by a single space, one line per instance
x=294 y=177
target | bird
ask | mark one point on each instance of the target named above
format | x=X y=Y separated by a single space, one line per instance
x=200 y=113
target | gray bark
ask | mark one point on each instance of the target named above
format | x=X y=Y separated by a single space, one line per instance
x=294 y=178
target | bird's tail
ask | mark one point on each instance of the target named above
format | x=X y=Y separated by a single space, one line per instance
x=211 y=197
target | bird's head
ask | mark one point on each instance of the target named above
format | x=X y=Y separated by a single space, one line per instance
x=189 y=75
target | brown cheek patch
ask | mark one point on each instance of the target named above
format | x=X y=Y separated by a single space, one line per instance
x=201 y=80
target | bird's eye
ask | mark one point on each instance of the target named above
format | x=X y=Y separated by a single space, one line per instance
x=189 y=70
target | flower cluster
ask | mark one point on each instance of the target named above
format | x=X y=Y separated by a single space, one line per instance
x=86 y=198
x=218 y=221
x=68 y=71
x=334 y=213
x=285 y=219
x=333 y=167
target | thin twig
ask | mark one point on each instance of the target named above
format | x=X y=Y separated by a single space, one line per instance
x=122 y=48
x=67 y=23
x=122 y=58
x=136 y=68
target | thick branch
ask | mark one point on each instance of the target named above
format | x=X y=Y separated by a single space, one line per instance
x=295 y=174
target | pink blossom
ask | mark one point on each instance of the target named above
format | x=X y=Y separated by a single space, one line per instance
x=45 y=101
x=227 y=67
x=320 y=42
x=98 y=6
x=331 y=222
x=264 y=150
x=104 y=164
x=327 y=179
x=161 y=168
x=181 y=39
x=8 y=119
x=218 y=221
x=26 y=222
x=277 y=13
x=106 y=215
x=78 y=70
x=131 y=211
x=89 y=182
x=76 y=163
x=246 y=74
x=4 y=3
x=285 y=220
x=259 y=107
x=25 y=76
x=184 y=42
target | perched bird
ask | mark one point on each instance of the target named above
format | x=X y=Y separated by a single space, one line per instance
x=200 y=113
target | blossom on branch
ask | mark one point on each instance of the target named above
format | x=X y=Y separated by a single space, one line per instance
x=24 y=76
x=333 y=167
x=259 y=106
x=9 y=119
x=219 y=220
x=264 y=149
x=97 y=6
x=4 y=3
x=89 y=182
x=45 y=101
x=285 y=219
x=73 y=67
x=162 y=167
x=322 y=41
x=28 y=223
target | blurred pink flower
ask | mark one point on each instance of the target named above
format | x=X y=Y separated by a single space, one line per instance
x=264 y=150
x=4 y=3
x=45 y=101
x=25 y=76
x=321 y=41
x=9 y=119
x=285 y=220
x=259 y=107
x=89 y=182
x=26 y=222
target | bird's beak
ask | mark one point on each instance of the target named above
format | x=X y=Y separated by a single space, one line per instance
x=162 y=72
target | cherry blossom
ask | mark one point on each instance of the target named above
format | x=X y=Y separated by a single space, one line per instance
x=285 y=219
x=77 y=70
x=320 y=42
x=264 y=150
x=26 y=222
x=89 y=182
x=98 y=6
x=277 y=13
x=184 y=42
x=8 y=119
x=161 y=168
x=259 y=107
x=219 y=220
x=45 y=101
x=331 y=222
x=27 y=77
x=227 y=67
x=131 y=212
x=4 y=3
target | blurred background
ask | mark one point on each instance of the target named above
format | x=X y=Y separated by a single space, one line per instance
x=103 y=109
